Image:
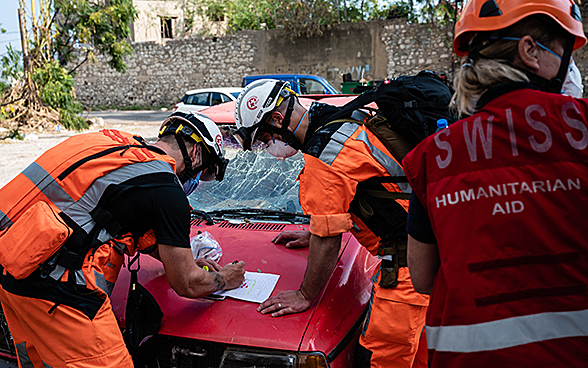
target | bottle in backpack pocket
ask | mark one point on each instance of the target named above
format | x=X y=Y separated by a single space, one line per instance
x=441 y=124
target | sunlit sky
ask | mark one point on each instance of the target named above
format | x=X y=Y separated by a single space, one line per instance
x=9 y=20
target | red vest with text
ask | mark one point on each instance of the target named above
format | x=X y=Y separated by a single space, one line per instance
x=506 y=193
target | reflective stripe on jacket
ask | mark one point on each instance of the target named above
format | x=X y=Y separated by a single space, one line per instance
x=328 y=182
x=506 y=193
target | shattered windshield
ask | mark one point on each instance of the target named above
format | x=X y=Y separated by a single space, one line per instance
x=254 y=179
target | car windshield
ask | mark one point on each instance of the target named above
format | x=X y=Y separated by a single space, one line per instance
x=253 y=180
x=235 y=94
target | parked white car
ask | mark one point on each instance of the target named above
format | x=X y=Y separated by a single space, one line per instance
x=198 y=99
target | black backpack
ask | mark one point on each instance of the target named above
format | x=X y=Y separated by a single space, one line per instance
x=408 y=110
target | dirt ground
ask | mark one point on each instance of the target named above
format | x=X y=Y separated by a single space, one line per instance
x=15 y=156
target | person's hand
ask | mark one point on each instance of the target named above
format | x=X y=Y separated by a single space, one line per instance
x=233 y=274
x=212 y=265
x=286 y=302
x=293 y=239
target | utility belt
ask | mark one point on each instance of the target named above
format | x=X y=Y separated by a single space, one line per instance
x=393 y=256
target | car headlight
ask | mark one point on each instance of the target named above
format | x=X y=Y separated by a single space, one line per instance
x=243 y=358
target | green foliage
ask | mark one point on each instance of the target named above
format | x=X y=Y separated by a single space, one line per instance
x=215 y=11
x=245 y=14
x=11 y=64
x=309 y=17
x=87 y=27
x=397 y=10
x=56 y=88
x=3 y=87
x=442 y=12
x=13 y=134
x=66 y=34
x=305 y=18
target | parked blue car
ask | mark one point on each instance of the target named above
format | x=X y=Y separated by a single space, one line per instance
x=301 y=83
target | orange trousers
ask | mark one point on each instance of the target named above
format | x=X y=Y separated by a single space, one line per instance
x=64 y=338
x=394 y=333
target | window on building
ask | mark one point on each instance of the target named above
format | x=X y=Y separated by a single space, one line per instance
x=166 y=27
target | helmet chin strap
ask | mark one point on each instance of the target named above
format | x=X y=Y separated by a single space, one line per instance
x=554 y=85
x=288 y=136
x=189 y=171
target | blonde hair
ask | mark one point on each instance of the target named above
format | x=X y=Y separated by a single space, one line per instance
x=494 y=63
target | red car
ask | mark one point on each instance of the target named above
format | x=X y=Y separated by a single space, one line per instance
x=243 y=213
x=256 y=201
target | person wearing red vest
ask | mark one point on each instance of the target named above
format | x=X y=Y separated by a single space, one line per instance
x=69 y=218
x=497 y=224
x=344 y=165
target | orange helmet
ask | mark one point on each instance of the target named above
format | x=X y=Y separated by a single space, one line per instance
x=493 y=15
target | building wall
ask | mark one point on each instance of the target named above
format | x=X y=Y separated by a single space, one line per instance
x=160 y=74
x=147 y=26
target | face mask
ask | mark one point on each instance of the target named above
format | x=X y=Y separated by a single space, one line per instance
x=280 y=150
x=572 y=85
x=191 y=184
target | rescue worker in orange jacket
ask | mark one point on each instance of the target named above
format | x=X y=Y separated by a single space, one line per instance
x=112 y=194
x=497 y=226
x=343 y=162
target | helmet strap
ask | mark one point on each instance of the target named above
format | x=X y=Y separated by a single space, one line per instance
x=288 y=136
x=555 y=84
x=188 y=171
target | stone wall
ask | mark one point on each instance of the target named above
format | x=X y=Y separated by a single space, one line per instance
x=159 y=75
x=413 y=47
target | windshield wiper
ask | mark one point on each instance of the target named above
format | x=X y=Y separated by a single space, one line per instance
x=255 y=214
x=202 y=215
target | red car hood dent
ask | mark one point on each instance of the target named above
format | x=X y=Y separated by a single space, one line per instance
x=237 y=322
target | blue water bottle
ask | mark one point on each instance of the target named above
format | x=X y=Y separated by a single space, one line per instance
x=441 y=124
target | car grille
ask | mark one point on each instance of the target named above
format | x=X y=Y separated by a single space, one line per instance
x=6 y=343
x=259 y=226
x=163 y=351
x=253 y=226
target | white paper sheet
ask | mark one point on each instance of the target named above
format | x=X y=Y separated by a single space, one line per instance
x=256 y=288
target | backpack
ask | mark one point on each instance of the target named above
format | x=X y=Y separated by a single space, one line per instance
x=408 y=110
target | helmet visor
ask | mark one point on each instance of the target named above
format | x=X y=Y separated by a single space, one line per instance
x=215 y=170
x=245 y=136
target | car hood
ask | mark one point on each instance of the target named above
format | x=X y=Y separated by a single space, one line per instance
x=321 y=328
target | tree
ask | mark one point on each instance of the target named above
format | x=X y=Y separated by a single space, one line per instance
x=304 y=18
x=84 y=28
x=65 y=35
x=442 y=12
x=310 y=17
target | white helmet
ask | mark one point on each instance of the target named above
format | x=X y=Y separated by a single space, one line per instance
x=202 y=130
x=254 y=102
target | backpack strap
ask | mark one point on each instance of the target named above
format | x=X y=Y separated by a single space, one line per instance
x=360 y=101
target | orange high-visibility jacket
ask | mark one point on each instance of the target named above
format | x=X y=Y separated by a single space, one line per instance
x=72 y=177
